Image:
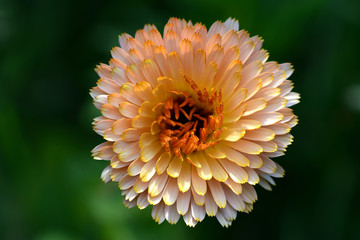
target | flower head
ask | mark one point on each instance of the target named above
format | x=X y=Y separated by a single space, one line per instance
x=192 y=119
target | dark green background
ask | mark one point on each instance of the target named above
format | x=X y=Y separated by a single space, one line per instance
x=50 y=186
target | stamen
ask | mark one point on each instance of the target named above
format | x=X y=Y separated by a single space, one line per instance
x=197 y=128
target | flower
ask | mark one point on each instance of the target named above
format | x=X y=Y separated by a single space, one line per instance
x=192 y=119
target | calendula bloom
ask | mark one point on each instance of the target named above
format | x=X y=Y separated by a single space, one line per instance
x=192 y=119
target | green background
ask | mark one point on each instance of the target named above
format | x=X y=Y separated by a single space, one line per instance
x=50 y=186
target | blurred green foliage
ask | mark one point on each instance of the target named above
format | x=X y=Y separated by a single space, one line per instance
x=50 y=186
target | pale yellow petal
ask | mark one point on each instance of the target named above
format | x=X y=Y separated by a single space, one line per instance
x=175 y=166
x=171 y=192
x=237 y=173
x=128 y=110
x=183 y=202
x=163 y=162
x=260 y=134
x=217 y=193
x=149 y=151
x=157 y=184
x=148 y=171
x=184 y=179
x=246 y=146
x=198 y=183
x=217 y=170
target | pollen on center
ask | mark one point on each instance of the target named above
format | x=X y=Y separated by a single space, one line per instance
x=190 y=123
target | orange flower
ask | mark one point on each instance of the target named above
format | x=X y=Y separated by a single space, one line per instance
x=192 y=119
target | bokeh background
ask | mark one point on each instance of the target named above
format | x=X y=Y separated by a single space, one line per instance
x=51 y=187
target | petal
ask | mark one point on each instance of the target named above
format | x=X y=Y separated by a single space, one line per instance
x=253 y=176
x=268 y=165
x=158 y=213
x=245 y=124
x=267 y=118
x=217 y=171
x=144 y=91
x=171 y=192
x=235 y=100
x=142 y=201
x=234 y=200
x=146 y=139
x=246 y=146
x=131 y=134
x=215 y=39
x=107 y=85
x=215 y=54
x=189 y=220
x=237 y=173
x=269 y=146
x=204 y=169
x=234 y=186
x=200 y=200
x=198 y=212
x=121 y=55
x=161 y=57
x=217 y=192
x=151 y=71
x=254 y=105
x=149 y=151
x=101 y=126
x=127 y=182
x=172 y=41
x=232 y=135
x=231 y=24
x=121 y=125
x=163 y=162
x=235 y=114
x=105 y=174
x=183 y=202
x=140 y=121
x=197 y=41
x=174 y=168
x=115 y=99
x=117 y=174
x=276 y=104
x=106 y=153
x=198 y=183
x=171 y=214
x=187 y=57
x=248 y=194
x=230 y=55
x=268 y=93
x=210 y=205
x=128 y=109
x=255 y=161
x=103 y=70
x=260 y=134
x=155 y=200
x=252 y=87
x=245 y=50
x=140 y=186
x=135 y=167
x=250 y=71
x=184 y=179
x=280 y=128
x=176 y=68
x=129 y=152
x=214 y=152
x=157 y=184
x=148 y=171
x=234 y=155
x=199 y=67
x=100 y=100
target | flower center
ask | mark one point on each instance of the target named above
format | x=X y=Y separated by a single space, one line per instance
x=188 y=126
